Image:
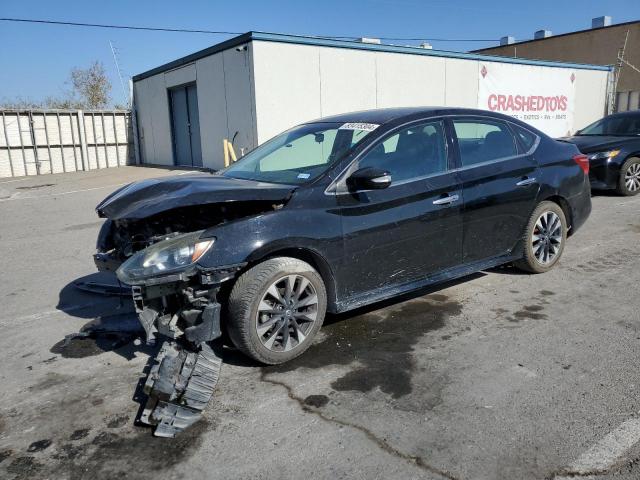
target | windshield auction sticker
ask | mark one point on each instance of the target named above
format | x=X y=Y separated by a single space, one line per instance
x=367 y=127
x=541 y=96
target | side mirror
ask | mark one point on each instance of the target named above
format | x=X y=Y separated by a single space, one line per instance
x=369 y=178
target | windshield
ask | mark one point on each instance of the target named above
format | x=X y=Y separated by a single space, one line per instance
x=301 y=154
x=623 y=125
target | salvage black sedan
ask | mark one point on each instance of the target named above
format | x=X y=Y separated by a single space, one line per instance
x=613 y=147
x=338 y=213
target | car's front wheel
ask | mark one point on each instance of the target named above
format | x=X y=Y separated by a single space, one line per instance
x=629 y=181
x=275 y=309
x=544 y=238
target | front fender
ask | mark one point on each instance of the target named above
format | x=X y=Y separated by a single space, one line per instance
x=250 y=239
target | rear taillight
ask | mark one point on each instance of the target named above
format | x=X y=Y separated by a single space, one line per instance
x=583 y=161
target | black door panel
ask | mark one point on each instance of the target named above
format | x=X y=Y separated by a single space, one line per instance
x=499 y=184
x=412 y=228
x=496 y=209
x=399 y=234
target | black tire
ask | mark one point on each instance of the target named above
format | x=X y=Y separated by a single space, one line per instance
x=529 y=262
x=246 y=296
x=622 y=185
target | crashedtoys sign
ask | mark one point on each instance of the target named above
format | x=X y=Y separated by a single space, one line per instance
x=542 y=97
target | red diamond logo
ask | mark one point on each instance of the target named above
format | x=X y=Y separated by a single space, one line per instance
x=483 y=71
x=573 y=77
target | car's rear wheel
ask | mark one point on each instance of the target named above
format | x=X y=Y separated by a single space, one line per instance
x=275 y=309
x=544 y=238
x=629 y=181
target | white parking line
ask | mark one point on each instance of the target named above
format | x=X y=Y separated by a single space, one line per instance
x=56 y=194
x=17 y=180
x=606 y=453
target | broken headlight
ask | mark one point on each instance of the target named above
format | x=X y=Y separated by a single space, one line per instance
x=168 y=256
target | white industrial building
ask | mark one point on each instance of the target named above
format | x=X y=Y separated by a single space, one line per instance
x=251 y=87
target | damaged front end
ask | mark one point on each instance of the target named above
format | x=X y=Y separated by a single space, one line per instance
x=176 y=302
x=154 y=235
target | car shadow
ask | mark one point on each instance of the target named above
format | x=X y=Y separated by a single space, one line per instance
x=113 y=325
x=234 y=357
x=507 y=269
x=82 y=304
x=605 y=193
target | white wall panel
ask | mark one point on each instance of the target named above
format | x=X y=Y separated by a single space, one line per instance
x=5 y=165
x=12 y=129
x=25 y=130
x=51 y=131
x=44 y=159
x=56 y=161
x=109 y=131
x=461 y=83
x=287 y=86
x=409 y=80
x=19 y=166
x=122 y=128
x=591 y=94
x=38 y=130
x=66 y=122
x=239 y=93
x=347 y=80
x=69 y=160
x=212 y=107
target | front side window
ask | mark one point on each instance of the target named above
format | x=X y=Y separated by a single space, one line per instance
x=300 y=154
x=483 y=141
x=622 y=125
x=413 y=152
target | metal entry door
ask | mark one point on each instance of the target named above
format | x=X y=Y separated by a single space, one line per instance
x=186 y=126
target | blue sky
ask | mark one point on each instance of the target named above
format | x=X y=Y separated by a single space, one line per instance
x=36 y=59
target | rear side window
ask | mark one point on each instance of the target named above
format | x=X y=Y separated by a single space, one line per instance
x=527 y=138
x=483 y=141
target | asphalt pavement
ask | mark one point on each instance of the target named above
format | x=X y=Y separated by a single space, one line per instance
x=500 y=375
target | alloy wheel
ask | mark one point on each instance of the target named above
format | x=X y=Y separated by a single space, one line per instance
x=546 y=239
x=286 y=313
x=632 y=177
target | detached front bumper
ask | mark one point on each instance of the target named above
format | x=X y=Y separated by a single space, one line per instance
x=197 y=321
x=183 y=312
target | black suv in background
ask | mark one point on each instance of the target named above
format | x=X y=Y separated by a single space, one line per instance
x=613 y=147
x=338 y=213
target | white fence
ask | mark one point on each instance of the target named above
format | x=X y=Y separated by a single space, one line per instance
x=35 y=142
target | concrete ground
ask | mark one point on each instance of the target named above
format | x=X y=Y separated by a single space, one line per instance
x=498 y=376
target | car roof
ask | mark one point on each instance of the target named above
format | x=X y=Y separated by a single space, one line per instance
x=381 y=116
x=630 y=113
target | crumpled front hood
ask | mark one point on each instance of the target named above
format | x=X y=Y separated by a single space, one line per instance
x=598 y=143
x=148 y=197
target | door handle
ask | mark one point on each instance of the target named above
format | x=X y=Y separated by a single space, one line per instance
x=446 y=200
x=526 y=181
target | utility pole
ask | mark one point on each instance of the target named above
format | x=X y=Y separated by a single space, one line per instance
x=127 y=100
x=620 y=63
